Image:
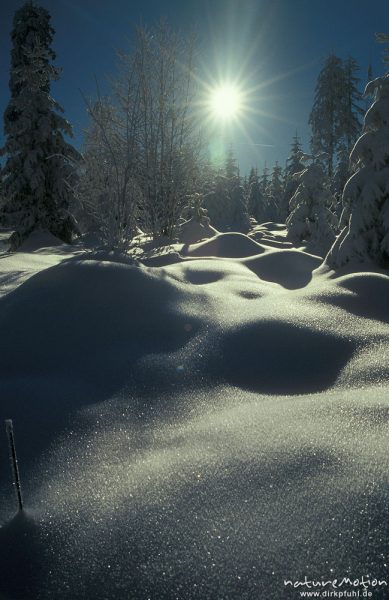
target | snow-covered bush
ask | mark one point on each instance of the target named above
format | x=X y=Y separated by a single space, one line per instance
x=39 y=162
x=365 y=238
x=195 y=210
x=196 y=224
x=311 y=220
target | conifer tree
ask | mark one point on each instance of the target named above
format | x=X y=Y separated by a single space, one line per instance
x=351 y=111
x=311 y=220
x=239 y=218
x=255 y=197
x=350 y=126
x=270 y=209
x=294 y=165
x=264 y=181
x=325 y=115
x=226 y=203
x=365 y=238
x=276 y=190
x=39 y=162
x=341 y=175
x=276 y=184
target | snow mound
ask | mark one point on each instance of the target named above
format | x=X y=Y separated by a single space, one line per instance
x=290 y=268
x=269 y=364
x=209 y=270
x=272 y=242
x=5 y=234
x=272 y=226
x=39 y=240
x=178 y=427
x=225 y=245
x=162 y=260
x=363 y=294
x=78 y=329
x=271 y=234
x=107 y=313
x=192 y=231
x=371 y=294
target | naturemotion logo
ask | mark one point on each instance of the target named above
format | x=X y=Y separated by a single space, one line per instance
x=344 y=587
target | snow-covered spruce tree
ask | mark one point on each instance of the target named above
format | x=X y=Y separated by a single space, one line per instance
x=39 y=162
x=325 y=115
x=239 y=219
x=270 y=208
x=264 y=181
x=246 y=188
x=255 y=197
x=341 y=174
x=311 y=220
x=2 y=202
x=366 y=194
x=218 y=203
x=276 y=189
x=350 y=126
x=351 y=111
x=294 y=165
x=226 y=204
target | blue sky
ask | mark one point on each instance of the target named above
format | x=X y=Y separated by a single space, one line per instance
x=277 y=45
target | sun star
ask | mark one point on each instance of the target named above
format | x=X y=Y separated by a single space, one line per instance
x=225 y=102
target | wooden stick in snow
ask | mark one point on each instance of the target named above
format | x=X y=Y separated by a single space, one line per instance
x=14 y=462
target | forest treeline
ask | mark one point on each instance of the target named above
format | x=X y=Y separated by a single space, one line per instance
x=144 y=165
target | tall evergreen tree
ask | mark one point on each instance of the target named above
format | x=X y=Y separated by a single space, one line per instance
x=255 y=202
x=294 y=165
x=350 y=126
x=351 y=111
x=311 y=219
x=325 y=115
x=276 y=190
x=276 y=183
x=264 y=181
x=39 y=162
x=341 y=175
x=365 y=238
x=231 y=167
x=226 y=204
x=270 y=208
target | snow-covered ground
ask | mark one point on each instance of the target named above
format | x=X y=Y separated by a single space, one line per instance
x=203 y=428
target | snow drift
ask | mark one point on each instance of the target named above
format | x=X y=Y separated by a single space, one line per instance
x=204 y=428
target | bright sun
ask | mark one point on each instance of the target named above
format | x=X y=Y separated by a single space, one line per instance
x=225 y=102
